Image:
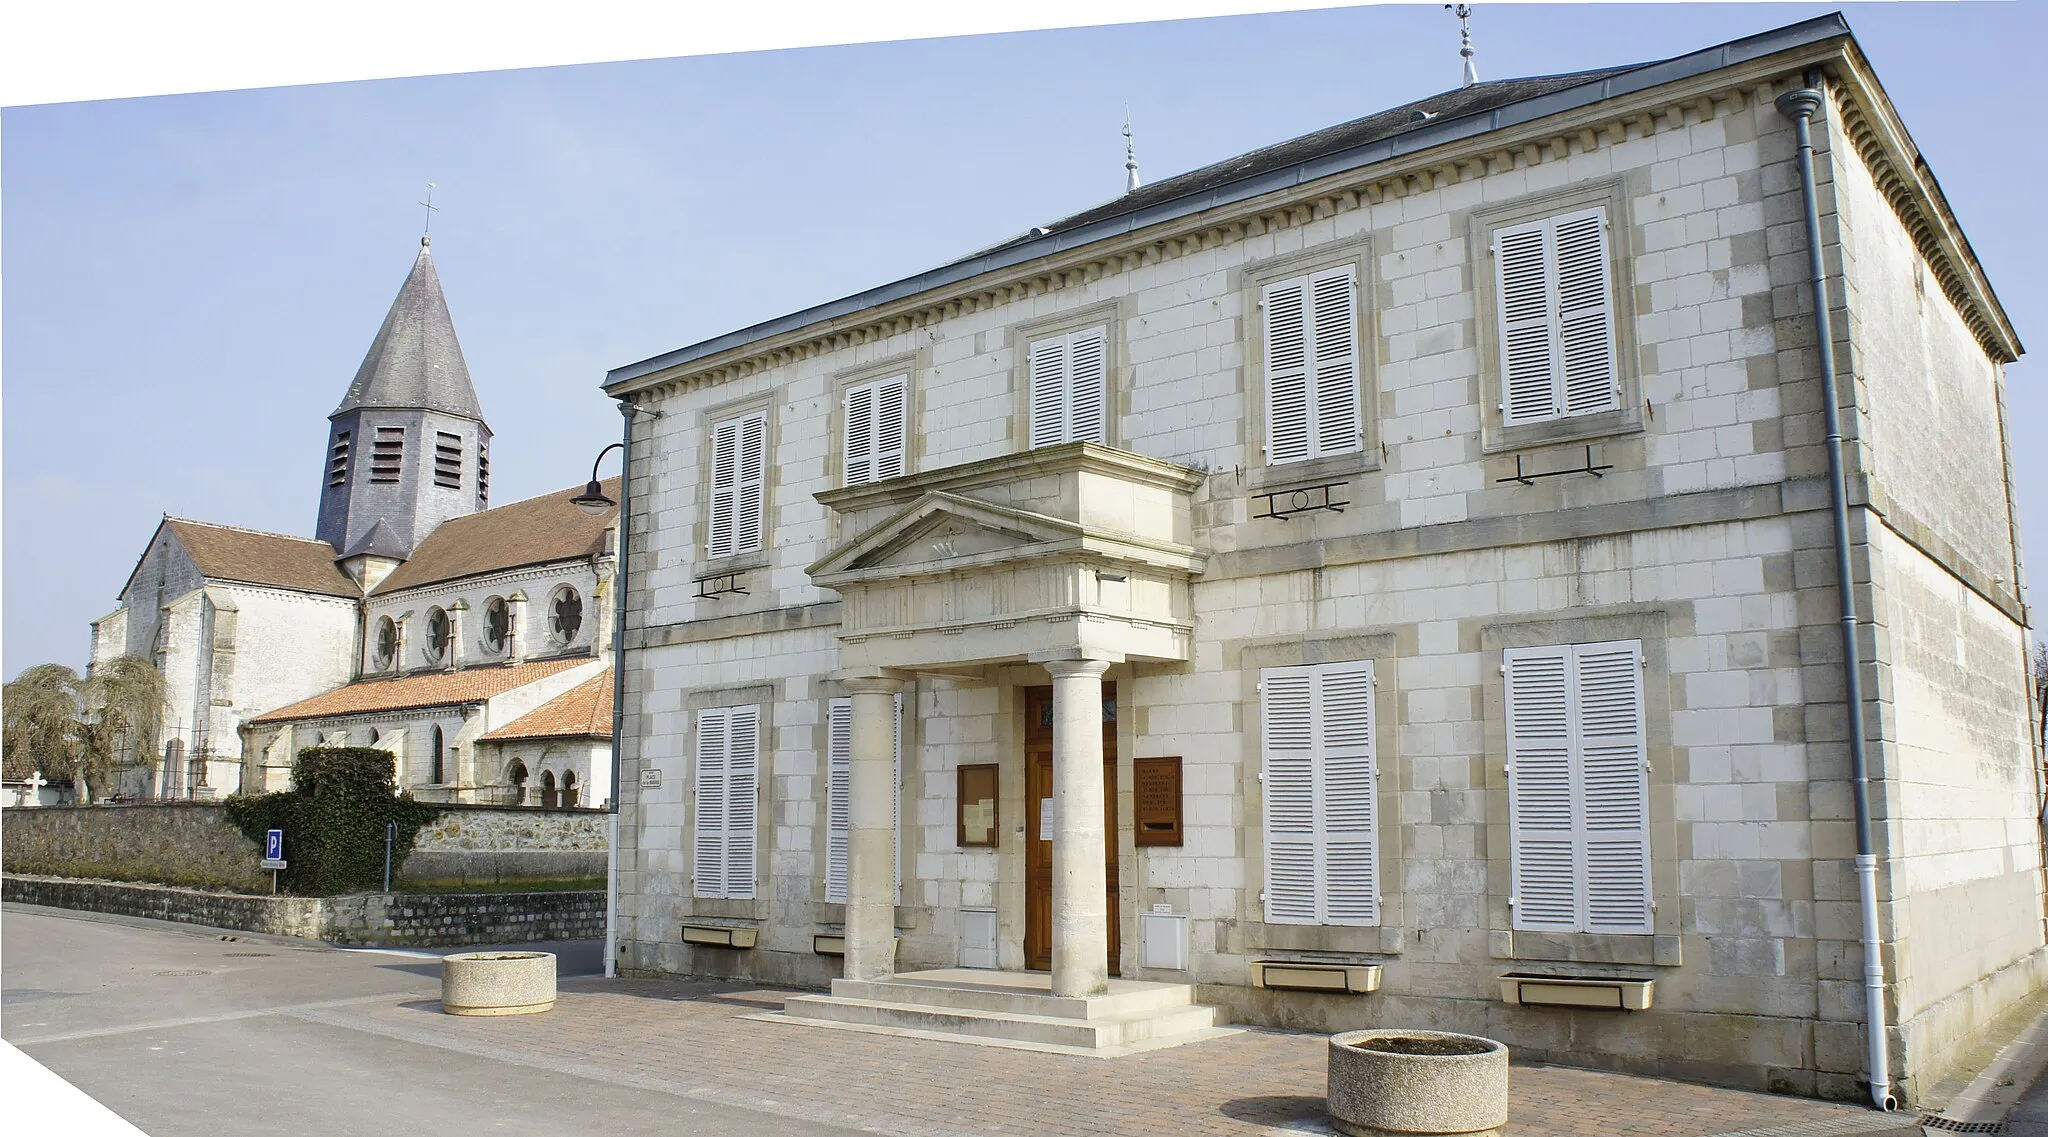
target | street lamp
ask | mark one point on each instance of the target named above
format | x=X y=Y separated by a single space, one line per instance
x=592 y=500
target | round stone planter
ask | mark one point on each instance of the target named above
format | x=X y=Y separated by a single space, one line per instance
x=498 y=982
x=1385 y=1083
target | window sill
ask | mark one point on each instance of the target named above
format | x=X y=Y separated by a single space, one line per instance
x=1582 y=428
x=726 y=566
x=1588 y=947
x=1332 y=468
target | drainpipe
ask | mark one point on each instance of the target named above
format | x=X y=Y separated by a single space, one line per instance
x=620 y=562
x=1801 y=107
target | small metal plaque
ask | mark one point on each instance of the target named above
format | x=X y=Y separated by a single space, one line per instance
x=1158 y=798
x=650 y=779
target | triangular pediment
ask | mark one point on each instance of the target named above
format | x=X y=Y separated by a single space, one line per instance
x=941 y=530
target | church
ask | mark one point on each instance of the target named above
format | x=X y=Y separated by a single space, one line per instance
x=472 y=642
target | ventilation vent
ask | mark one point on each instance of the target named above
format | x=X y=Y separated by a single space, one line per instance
x=483 y=474
x=387 y=454
x=337 y=461
x=447 y=460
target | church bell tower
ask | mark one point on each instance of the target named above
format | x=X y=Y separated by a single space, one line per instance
x=408 y=447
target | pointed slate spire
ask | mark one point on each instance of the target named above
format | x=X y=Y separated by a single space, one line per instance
x=415 y=361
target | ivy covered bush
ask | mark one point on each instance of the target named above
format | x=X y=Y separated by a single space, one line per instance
x=333 y=819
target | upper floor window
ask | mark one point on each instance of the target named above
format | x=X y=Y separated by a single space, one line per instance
x=739 y=471
x=497 y=624
x=1578 y=788
x=337 y=460
x=1312 y=365
x=1555 y=304
x=447 y=460
x=437 y=635
x=565 y=614
x=877 y=430
x=387 y=454
x=387 y=644
x=1319 y=781
x=1069 y=377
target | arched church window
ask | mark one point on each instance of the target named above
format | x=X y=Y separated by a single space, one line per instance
x=497 y=623
x=548 y=796
x=516 y=775
x=437 y=755
x=569 y=787
x=565 y=615
x=387 y=643
x=374 y=736
x=437 y=635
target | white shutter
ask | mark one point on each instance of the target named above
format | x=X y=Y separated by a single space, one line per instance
x=860 y=435
x=876 y=430
x=1349 y=800
x=751 y=482
x=838 y=799
x=709 y=861
x=1522 y=271
x=1287 y=714
x=1542 y=827
x=1088 y=385
x=724 y=487
x=1048 y=364
x=1333 y=304
x=1613 y=788
x=743 y=765
x=1585 y=313
x=1288 y=424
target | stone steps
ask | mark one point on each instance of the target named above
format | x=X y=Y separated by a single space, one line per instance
x=1011 y=1009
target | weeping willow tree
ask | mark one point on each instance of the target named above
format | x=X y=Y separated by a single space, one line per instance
x=56 y=721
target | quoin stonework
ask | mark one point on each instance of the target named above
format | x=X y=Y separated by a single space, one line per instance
x=1383 y=579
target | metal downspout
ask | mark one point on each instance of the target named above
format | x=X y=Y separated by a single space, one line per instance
x=1801 y=107
x=619 y=578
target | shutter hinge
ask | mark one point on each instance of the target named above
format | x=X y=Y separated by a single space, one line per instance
x=1503 y=669
x=1513 y=900
x=1508 y=769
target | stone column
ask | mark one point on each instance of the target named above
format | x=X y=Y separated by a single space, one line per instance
x=871 y=839
x=1080 y=916
x=515 y=627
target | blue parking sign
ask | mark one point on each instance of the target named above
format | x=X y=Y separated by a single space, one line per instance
x=273 y=845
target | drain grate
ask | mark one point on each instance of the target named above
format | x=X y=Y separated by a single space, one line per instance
x=248 y=954
x=184 y=972
x=1942 y=1124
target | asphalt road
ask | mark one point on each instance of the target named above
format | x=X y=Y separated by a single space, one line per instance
x=186 y=1032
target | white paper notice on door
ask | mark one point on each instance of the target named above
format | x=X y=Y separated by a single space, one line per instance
x=1045 y=819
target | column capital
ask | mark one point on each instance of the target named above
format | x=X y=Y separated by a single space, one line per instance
x=870 y=681
x=1076 y=668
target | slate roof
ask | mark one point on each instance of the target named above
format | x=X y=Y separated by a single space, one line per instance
x=379 y=540
x=1454 y=116
x=434 y=689
x=584 y=711
x=249 y=556
x=531 y=532
x=415 y=361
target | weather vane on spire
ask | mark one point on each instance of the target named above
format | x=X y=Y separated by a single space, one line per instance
x=1130 y=154
x=1464 y=12
x=427 y=233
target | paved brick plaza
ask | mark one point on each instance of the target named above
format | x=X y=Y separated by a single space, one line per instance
x=693 y=1039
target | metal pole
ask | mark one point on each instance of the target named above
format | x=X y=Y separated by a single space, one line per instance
x=620 y=580
x=390 y=834
x=1801 y=106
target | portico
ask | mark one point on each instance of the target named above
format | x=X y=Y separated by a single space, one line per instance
x=1074 y=558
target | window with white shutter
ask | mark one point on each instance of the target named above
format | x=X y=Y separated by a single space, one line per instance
x=1069 y=379
x=1312 y=363
x=739 y=469
x=876 y=430
x=1578 y=788
x=1320 y=779
x=1555 y=301
x=838 y=801
x=728 y=781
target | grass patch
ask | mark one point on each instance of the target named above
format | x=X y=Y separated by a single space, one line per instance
x=581 y=884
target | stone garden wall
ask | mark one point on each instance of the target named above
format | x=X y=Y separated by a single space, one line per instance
x=490 y=845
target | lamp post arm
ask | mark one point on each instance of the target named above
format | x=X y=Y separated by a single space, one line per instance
x=600 y=460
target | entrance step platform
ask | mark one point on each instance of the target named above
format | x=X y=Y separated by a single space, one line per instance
x=1015 y=1009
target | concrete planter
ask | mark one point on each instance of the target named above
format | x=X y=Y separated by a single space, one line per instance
x=1389 y=1082
x=498 y=982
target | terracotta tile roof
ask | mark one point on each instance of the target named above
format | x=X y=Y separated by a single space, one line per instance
x=584 y=712
x=437 y=689
x=531 y=532
x=249 y=556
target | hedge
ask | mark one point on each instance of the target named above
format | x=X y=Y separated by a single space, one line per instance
x=333 y=819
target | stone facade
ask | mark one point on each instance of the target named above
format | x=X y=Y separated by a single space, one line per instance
x=1705 y=540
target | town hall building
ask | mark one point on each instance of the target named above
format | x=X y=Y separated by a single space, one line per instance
x=1394 y=577
x=471 y=642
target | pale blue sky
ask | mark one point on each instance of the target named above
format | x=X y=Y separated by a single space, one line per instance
x=190 y=281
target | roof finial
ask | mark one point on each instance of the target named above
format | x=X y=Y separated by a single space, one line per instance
x=1464 y=12
x=1130 y=154
x=427 y=233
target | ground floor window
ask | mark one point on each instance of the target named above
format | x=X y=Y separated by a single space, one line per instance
x=838 y=800
x=728 y=777
x=1318 y=775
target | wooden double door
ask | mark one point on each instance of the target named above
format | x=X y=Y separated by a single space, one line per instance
x=1038 y=790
